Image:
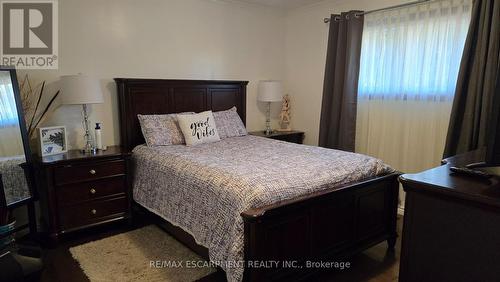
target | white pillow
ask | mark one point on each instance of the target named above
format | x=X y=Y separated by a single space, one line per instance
x=198 y=128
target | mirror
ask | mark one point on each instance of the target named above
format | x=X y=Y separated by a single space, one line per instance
x=15 y=155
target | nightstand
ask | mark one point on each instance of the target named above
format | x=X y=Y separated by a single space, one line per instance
x=288 y=136
x=78 y=190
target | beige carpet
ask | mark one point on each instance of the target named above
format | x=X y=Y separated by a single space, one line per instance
x=128 y=256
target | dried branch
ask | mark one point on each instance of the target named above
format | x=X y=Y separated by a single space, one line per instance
x=45 y=111
x=36 y=107
x=28 y=96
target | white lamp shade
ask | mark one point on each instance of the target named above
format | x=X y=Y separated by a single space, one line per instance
x=80 y=89
x=270 y=91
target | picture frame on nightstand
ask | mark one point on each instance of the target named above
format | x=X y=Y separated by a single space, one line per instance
x=52 y=140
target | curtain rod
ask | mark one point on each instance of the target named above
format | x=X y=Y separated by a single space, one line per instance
x=327 y=20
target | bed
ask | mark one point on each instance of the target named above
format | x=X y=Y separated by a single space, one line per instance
x=311 y=213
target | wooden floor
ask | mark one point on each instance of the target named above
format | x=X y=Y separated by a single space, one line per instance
x=375 y=264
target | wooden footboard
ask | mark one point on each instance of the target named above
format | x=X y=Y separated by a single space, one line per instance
x=326 y=226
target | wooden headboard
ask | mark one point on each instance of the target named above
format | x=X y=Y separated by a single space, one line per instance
x=165 y=96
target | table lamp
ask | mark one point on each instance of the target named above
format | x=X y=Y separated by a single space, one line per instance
x=269 y=91
x=82 y=90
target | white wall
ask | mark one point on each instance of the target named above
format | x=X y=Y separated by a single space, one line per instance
x=305 y=48
x=185 y=39
x=196 y=39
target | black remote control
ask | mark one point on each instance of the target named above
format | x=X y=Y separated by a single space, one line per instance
x=471 y=172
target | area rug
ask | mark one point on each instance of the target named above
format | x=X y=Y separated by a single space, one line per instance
x=145 y=254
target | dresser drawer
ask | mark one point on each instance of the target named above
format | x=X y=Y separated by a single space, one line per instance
x=79 y=173
x=92 y=212
x=80 y=192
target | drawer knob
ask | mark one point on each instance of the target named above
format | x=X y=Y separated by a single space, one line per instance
x=92 y=191
x=93 y=211
x=92 y=171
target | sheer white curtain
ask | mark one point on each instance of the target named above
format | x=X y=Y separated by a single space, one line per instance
x=410 y=59
x=8 y=110
x=10 y=133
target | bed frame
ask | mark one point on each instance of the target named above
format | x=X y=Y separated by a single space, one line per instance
x=330 y=225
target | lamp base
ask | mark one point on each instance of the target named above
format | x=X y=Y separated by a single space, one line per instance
x=89 y=148
x=268 y=131
x=91 y=151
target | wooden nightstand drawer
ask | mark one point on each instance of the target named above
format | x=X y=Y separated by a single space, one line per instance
x=79 y=173
x=92 y=212
x=82 y=192
x=293 y=138
x=79 y=191
x=288 y=136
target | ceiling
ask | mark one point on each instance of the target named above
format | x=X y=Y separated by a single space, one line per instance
x=284 y=4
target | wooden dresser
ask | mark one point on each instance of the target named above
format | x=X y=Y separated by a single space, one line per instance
x=451 y=226
x=80 y=190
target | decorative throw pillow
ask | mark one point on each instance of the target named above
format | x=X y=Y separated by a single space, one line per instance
x=198 y=128
x=161 y=130
x=229 y=124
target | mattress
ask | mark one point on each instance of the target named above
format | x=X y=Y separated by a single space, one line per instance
x=203 y=189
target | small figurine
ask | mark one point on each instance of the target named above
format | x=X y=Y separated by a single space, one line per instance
x=285 y=114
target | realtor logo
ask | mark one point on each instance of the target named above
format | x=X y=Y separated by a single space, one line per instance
x=29 y=34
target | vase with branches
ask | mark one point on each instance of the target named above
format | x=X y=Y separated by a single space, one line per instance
x=31 y=98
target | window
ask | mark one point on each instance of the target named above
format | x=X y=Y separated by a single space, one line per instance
x=8 y=110
x=413 y=53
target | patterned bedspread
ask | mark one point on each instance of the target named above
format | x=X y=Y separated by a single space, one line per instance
x=203 y=189
x=14 y=180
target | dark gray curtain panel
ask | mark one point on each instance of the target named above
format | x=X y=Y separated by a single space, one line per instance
x=340 y=89
x=472 y=105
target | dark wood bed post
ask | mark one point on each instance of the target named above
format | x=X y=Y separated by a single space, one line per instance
x=330 y=225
